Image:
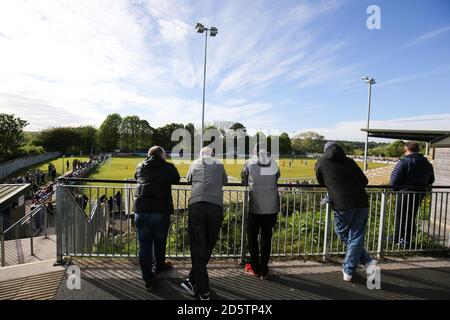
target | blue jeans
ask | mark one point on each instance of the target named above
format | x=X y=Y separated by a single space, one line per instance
x=350 y=226
x=152 y=230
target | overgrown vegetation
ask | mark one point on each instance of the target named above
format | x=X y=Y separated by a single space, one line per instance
x=297 y=232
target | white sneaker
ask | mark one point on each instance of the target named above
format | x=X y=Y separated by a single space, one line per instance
x=346 y=277
x=371 y=263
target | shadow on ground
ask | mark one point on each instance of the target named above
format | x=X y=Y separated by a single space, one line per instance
x=120 y=279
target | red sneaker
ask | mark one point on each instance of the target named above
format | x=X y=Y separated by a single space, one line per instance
x=249 y=270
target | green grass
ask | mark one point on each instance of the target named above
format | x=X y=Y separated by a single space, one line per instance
x=43 y=166
x=120 y=168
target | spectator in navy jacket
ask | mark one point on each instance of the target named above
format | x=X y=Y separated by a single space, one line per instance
x=412 y=177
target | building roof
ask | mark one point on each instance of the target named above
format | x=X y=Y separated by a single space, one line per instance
x=10 y=192
x=442 y=142
x=417 y=135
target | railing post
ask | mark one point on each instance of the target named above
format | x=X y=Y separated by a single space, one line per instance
x=45 y=221
x=382 y=229
x=31 y=233
x=58 y=224
x=2 y=243
x=326 y=237
x=244 y=220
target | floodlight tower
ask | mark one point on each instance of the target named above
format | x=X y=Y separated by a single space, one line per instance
x=212 y=32
x=370 y=82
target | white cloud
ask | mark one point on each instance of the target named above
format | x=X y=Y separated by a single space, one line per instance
x=429 y=35
x=70 y=63
x=67 y=59
x=259 y=47
x=351 y=130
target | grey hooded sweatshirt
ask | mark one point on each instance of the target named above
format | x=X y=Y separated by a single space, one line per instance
x=261 y=173
x=207 y=176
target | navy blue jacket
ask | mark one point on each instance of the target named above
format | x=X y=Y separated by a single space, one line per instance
x=413 y=170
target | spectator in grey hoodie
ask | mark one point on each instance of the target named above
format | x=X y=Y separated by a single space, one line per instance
x=207 y=176
x=261 y=174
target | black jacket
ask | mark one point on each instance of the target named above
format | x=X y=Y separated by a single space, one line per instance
x=343 y=178
x=414 y=170
x=153 y=192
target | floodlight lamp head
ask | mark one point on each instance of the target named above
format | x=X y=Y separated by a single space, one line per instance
x=213 y=31
x=200 y=28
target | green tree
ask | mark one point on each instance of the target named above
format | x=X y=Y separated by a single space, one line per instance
x=396 y=148
x=108 y=134
x=70 y=140
x=145 y=136
x=63 y=139
x=237 y=135
x=238 y=125
x=87 y=139
x=162 y=135
x=308 y=142
x=285 y=144
x=129 y=131
x=11 y=133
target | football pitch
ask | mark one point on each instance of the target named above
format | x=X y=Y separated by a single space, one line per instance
x=120 y=168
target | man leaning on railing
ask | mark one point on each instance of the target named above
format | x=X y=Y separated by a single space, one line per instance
x=347 y=196
x=207 y=176
x=261 y=174
x=153 y=206
x=412 y=176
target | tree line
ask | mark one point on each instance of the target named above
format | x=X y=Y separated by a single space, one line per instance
x=131 y=134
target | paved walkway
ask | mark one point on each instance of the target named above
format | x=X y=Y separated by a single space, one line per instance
x=412 y=278
x=19 y=251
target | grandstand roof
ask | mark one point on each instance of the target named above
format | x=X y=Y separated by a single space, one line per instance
x=417 y=135
x=442 y=142
x=10 y=192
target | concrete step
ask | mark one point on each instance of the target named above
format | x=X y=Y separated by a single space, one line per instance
x=30 y=281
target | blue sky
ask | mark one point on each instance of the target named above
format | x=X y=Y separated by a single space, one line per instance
x=275 y=65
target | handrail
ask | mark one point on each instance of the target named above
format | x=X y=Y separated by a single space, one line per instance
x=238 y=184
x=19 y=222
x=23 y=219
x=49 y=195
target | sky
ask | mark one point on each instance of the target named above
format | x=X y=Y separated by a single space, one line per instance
x=278 y=66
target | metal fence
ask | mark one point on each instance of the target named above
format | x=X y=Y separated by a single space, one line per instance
x=9 y=167
x=31 y=225
x=96 y=218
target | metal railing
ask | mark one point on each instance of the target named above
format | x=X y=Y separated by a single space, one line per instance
x=98 y=220
x=29 y=226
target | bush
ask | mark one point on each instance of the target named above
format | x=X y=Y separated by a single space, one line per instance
x=29 y=150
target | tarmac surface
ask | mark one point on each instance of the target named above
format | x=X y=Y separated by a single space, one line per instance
x=120 y=279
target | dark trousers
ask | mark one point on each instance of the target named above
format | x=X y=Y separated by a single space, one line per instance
x=265 y=223
x=152 y=230
x=205 y=220
x=406 y=208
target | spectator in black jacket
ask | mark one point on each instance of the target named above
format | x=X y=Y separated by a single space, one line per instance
x=347 y=195
x=153 y=206
x=412 y=177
